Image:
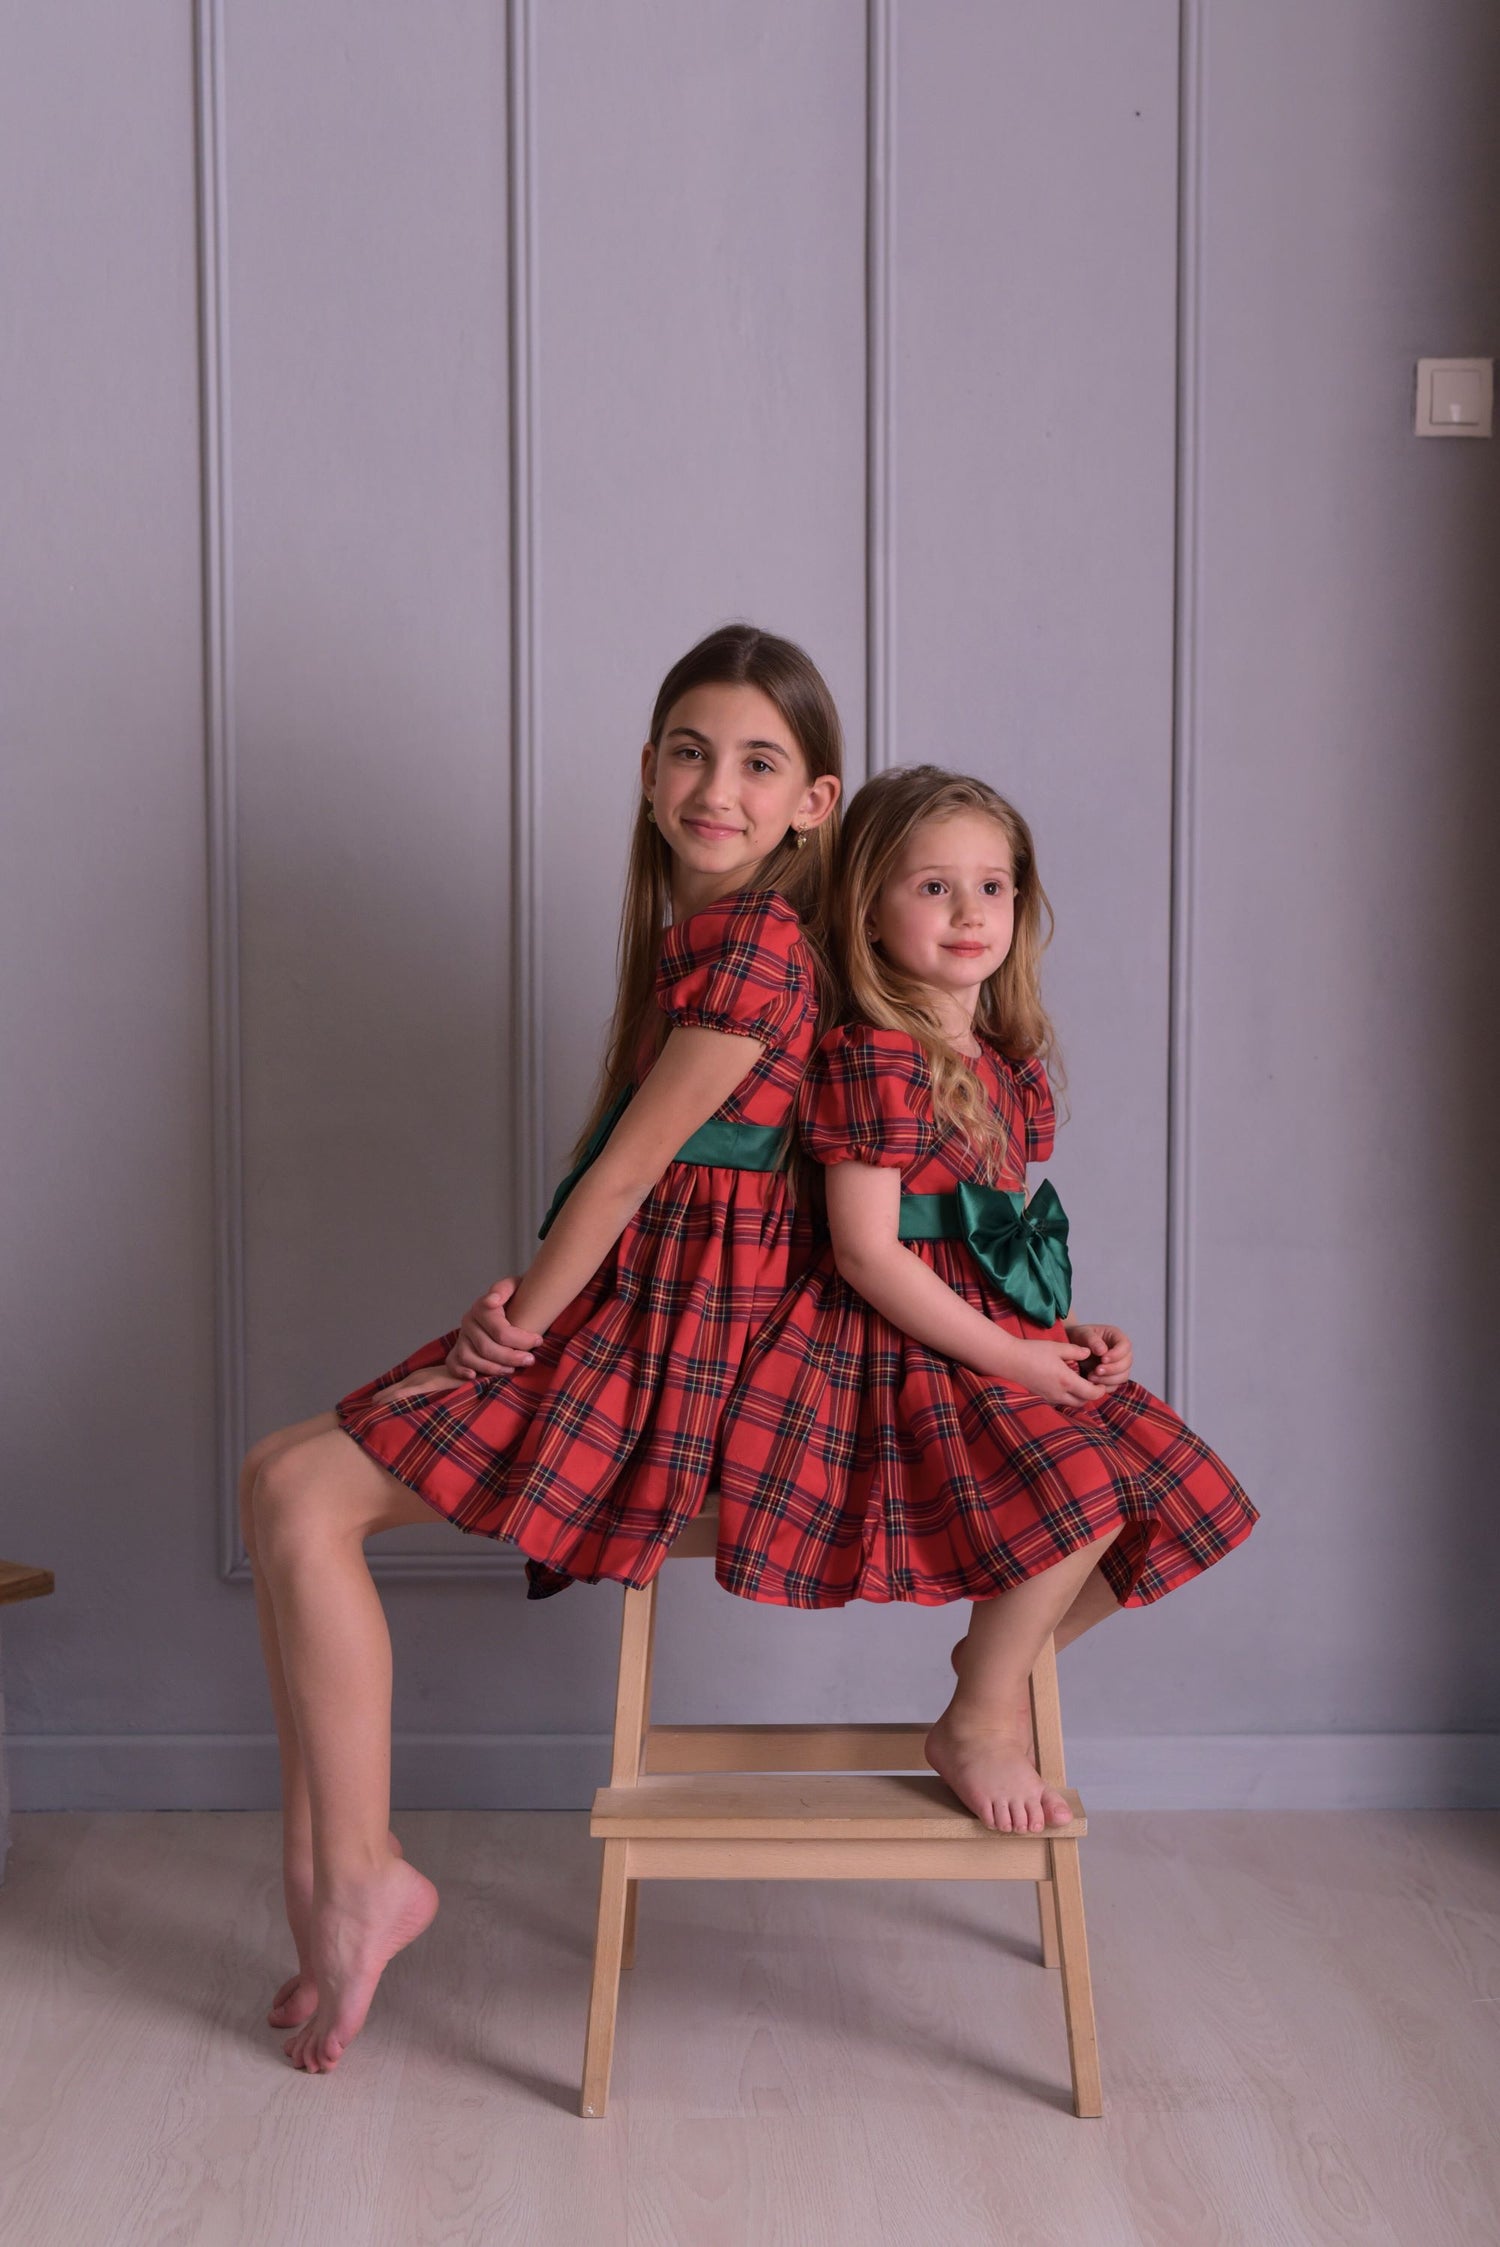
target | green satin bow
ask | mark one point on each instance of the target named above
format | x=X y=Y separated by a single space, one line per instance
x=1022 y=1245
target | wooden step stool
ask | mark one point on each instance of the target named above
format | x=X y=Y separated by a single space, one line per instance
x=811 y=1802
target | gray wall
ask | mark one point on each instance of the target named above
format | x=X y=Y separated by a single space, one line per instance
x=349 y=534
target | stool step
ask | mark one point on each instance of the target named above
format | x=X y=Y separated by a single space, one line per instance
x=713 y=1806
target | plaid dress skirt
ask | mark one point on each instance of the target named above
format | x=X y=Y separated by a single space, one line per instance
x=593 y=1458
x=859 y=1464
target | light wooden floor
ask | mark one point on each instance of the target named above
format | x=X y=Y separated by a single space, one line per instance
x=1300 y=2020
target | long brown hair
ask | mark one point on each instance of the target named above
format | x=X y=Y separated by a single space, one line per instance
x=736 y=655
x=880 y=818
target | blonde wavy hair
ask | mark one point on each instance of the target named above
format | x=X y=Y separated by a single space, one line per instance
x=879 y=821
x=735 y=655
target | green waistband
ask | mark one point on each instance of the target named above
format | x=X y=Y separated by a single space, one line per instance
x=1022 y=1245
x=734 y=1146
x=935 y=1217
x=716 y=1145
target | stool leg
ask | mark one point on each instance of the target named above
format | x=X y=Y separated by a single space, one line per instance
x=1046 y=1722
x=604 y=1998
x=1046 y=1718
x=1078 y=1991
x=1046 y=1912
x=633 y=1694
x=614 y=1944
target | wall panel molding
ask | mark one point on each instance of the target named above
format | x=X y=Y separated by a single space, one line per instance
x=526 y=893
x=476 y=1557
x=1185 y=711
x=222 y=799
x=880 y=547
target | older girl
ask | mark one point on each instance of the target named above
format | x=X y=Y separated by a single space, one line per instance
x=577 y=1411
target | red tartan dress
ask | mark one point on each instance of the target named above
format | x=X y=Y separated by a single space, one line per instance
x=859 y=1464
x=592 y=1458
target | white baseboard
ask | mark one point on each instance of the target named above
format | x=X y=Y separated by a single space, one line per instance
x=1290 y=1771
x=559 y=1771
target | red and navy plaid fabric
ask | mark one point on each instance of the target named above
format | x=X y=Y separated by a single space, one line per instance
x=858 y=1464
x=594 y=1457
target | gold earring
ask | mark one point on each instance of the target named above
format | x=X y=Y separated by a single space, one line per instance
x=650 y=814
x=801 y=838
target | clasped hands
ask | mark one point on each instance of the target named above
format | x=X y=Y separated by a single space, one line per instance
x=1054 y=1370
x=488 y=1344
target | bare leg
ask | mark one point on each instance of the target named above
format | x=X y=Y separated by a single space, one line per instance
x=1094 y=1604
x=981 y=1742
x=297 y=1999
x=315 y=1503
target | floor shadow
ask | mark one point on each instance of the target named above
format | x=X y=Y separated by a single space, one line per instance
x=679 y=1976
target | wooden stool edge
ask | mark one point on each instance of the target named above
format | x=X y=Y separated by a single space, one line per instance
x=20 y=1581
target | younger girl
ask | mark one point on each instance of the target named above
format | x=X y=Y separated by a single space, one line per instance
x=584 y=1431
x=921 y=1418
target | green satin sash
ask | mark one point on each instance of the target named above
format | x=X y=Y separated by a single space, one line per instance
x=717 y=1145
x=734 y=1146
x=1022 y=1245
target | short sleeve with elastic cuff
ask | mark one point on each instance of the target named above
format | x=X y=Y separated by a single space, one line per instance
x=866 y=1099
x=736 y=966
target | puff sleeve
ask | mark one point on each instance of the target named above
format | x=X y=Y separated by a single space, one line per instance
x=1037 y=1108
x=865 y=1099
x=738 y=966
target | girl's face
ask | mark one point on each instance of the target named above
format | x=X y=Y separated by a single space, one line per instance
x=946 y=911
x=727 y=782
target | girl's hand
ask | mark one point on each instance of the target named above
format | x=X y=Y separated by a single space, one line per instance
x=487 y=1343
x=1050 y=1371
x=1111 y=1346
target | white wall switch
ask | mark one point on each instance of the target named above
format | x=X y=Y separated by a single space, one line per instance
x=1455 y=397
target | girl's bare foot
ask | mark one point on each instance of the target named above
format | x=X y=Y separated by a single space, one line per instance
x=355 y=1935
x=297 y=1999
x=988 y=1768
x=295 y=2002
